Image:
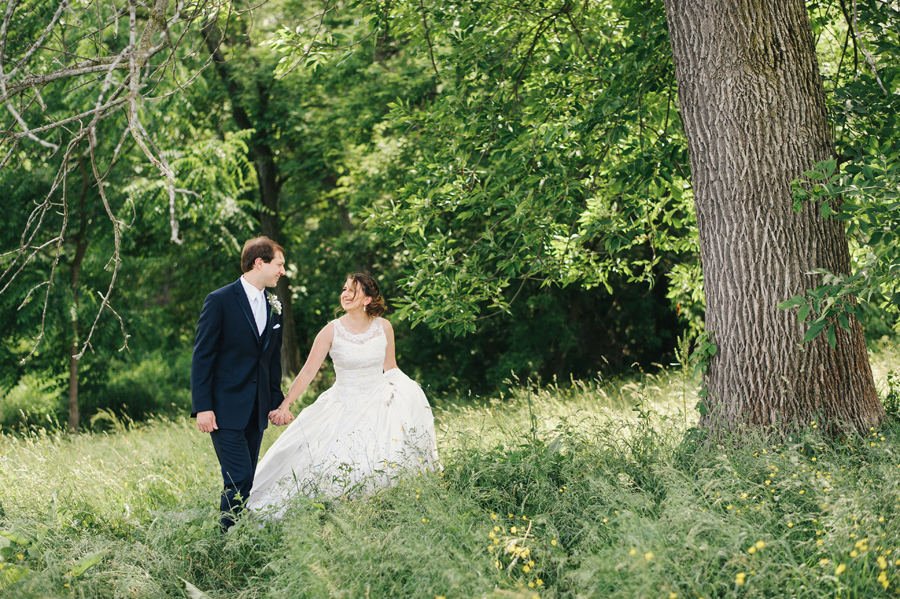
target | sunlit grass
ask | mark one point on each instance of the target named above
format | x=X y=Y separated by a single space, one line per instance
x=563 y=490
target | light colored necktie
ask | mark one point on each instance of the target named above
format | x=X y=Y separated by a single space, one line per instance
x=259 y=313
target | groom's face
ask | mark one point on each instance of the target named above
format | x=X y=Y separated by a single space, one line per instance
x=271 y=271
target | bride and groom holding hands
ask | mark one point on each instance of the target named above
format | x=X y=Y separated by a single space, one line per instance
x=370 y=426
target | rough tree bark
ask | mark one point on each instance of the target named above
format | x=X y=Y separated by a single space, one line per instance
x=753 y=106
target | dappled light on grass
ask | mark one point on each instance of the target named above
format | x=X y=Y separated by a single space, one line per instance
x=594 y=489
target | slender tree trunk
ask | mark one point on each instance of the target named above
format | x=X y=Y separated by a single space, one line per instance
x=75 y=270
x=753 y=106
x=74 y=414
x=269 y=187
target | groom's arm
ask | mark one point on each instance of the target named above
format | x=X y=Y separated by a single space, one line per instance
x=209 y=329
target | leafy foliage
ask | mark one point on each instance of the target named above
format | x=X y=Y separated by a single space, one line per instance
x=550 y=152
x=862 y=188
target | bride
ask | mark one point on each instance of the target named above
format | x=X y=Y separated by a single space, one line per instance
x=358 y=435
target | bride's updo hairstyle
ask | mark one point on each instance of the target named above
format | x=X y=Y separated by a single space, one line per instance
x=369 y=286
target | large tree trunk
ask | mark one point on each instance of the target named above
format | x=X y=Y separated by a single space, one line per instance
x=753 y=106
x=269 y=186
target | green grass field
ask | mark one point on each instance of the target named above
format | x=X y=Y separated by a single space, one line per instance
x=584 y=490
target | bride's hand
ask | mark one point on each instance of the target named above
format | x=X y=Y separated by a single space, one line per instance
x=280 y=417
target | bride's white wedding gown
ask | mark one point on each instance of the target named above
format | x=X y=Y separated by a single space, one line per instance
x=358 y=435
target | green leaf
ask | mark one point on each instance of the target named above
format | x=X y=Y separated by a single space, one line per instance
x=814 y=175
x=87 y=562
x=844 y=321
x=832 y=337
x=14 y=537
x=813 y=331
x=803 y=312
x=192 y=591
x=11 y=575
x=792 y=303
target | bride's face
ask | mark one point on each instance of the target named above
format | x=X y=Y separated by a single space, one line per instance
x=352 y=297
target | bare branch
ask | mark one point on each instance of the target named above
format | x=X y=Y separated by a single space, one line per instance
x=62 y=6
x=428 y=39
x=115 y=259
x=868 y=56
x=39 y=65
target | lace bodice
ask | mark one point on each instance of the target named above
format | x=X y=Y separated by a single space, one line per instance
x=358 y=359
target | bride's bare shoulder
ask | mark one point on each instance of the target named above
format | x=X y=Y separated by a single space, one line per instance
x=327 y=333
x=386 y=327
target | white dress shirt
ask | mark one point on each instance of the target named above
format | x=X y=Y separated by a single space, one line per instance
x=257 y=299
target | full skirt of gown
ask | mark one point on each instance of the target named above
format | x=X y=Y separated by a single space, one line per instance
x=359 y=435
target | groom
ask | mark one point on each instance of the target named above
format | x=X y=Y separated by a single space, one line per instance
x=236 y=369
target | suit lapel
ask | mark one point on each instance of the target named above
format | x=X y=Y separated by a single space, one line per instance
x=242 y=300
x=270 y=320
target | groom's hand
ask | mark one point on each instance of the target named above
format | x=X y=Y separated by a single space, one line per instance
x=206 y=421
x=280 y=417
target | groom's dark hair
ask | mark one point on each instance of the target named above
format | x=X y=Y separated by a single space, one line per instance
x=258 y=247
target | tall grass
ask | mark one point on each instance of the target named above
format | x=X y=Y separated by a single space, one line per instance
x=579 y=490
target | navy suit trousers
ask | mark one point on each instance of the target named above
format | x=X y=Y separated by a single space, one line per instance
x=238 y=453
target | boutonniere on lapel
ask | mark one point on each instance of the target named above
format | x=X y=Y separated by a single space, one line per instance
x=274 y=303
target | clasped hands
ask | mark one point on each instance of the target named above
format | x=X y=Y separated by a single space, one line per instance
x=280 y=417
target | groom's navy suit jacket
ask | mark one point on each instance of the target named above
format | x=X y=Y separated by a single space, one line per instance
x=234 y=367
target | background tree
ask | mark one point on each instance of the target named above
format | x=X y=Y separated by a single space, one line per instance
x=86 y=96
x=252 y=91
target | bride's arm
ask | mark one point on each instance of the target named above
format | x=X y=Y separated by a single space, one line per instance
x=390 y=358
x=313 y=362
